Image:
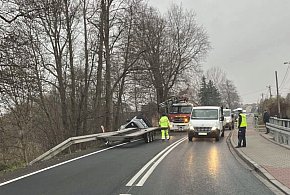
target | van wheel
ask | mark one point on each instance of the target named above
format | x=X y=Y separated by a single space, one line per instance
x=223 y=133
x=217 y=138
x=190 y=138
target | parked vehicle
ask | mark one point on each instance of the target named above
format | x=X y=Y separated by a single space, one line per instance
x=206 y=121
x=229 y=121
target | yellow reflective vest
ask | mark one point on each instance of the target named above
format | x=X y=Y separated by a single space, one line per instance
x=164 y=122
x=242 y=123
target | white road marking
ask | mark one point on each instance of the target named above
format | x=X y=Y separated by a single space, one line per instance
x=152 y=161
x=150 y=171
x=62 y=163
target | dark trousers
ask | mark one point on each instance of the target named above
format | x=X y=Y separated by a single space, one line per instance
x=242 y=136
x=267 y=129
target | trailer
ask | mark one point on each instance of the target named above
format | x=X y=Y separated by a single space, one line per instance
x=127 y=135
x=134 y=129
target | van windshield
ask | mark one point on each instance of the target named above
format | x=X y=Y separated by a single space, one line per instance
x=227 y=113
x=204 y=114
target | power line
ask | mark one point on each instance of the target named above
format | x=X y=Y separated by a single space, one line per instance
x=285 y=76
x=254 y=92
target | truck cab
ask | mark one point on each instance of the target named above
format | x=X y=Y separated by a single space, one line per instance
x=206 y=121
x=179 y=116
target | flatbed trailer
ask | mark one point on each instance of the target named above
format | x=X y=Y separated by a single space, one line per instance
x=125 y=135
x=128 y=134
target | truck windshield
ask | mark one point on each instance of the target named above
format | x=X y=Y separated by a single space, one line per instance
x=204 y=114
x=180 y=110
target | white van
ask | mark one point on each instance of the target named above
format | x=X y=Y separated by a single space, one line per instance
x=206 y=121
x=229 y=119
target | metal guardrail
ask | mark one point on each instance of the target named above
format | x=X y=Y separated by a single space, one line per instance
x=280 y=128
x=127 y=134
x=76 y=140
x=64 y=145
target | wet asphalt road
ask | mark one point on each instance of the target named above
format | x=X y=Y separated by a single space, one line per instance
x=199 y=167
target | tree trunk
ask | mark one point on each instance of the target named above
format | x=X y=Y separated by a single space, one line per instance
x=86 y=90
x=74 y=130
x=99 y=84
x=119 y=104
x=109 y=97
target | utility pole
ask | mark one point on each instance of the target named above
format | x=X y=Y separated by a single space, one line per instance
x=278 y=101
x=262 y=101
x=270 y=91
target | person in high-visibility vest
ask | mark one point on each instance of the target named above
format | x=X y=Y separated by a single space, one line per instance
x=165 y=124
x=242 y=125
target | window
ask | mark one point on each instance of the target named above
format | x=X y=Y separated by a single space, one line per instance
x=227 y=113
x=205 y=114
x=180 y=109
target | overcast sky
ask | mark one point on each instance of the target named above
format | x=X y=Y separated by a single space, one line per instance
x=250 y=40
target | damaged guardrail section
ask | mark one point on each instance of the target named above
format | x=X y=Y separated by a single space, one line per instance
x=280 y=128
x=64 y=145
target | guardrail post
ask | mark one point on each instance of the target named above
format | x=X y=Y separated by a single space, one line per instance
x=276 y=136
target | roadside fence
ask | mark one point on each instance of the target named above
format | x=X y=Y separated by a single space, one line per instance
x=280 y=128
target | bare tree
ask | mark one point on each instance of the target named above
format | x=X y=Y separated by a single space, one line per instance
x=17 y=88
x=173 y=45
x=69 y=66
x=232 y=98
x=229 y=94
x=217 y=75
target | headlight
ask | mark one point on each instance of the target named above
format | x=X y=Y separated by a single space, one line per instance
x=214 y=128
x=191 y=127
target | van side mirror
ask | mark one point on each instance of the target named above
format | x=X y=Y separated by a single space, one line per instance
x=222 y=118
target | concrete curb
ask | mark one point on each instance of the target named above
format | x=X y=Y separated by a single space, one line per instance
x=258 y=168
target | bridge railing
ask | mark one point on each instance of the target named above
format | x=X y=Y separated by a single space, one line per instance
x=280 y=128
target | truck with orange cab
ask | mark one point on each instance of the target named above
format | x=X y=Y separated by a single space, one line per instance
x=178 y=111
